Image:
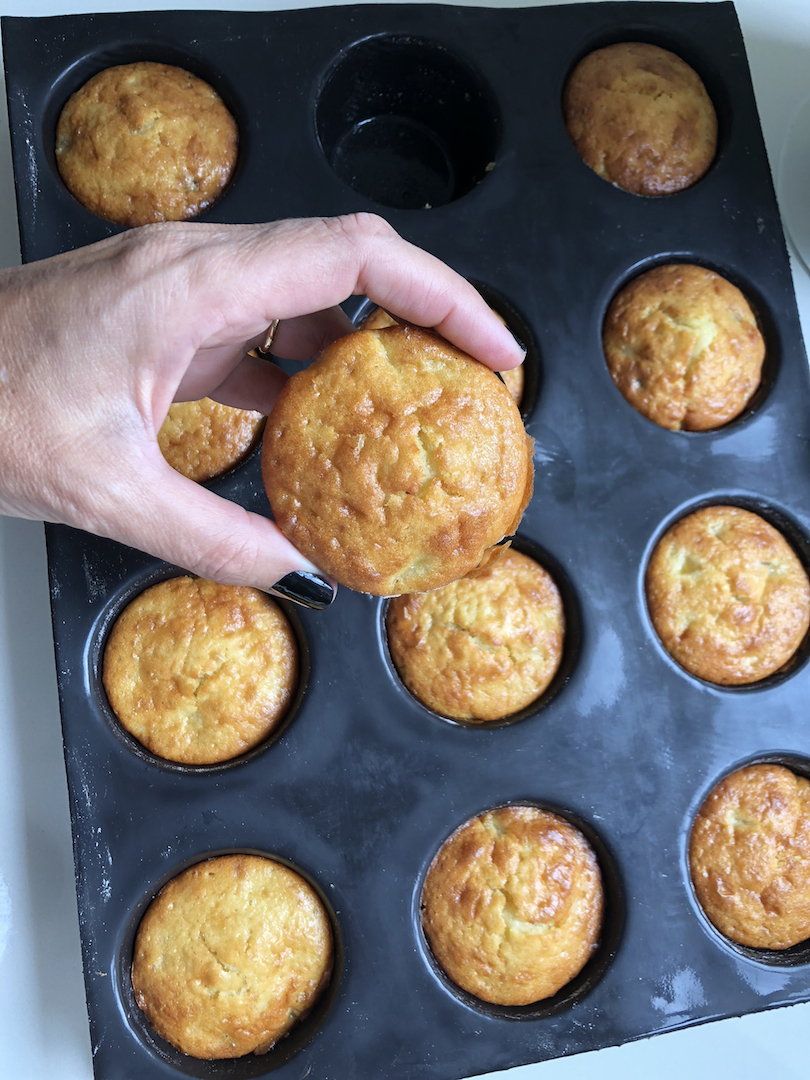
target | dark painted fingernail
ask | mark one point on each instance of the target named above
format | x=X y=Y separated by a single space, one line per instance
x=308 y=590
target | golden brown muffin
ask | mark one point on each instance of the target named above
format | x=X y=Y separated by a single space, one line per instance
x=749 y=856
x=512 y=905
x=230 y=955
x=395 y=462
x=483 y=647
x=727 y=595
x=200 y=672
x=203 y=439
x=146 y=142
x=683 y=346
x=640 y=118
x=514 y=379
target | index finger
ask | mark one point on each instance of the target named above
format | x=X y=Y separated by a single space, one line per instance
x=293 y=268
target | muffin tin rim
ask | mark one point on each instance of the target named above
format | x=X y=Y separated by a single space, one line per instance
x=138 y=1025
x=64 y=84
x=771 y=364
x=93 y=658
x=797 y=957
x=569 y=659
x=775 y=514
x=611 y=934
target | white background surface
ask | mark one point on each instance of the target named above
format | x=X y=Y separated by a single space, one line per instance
x=43 y=1022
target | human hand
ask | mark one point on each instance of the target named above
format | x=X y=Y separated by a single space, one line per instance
x=97 y=343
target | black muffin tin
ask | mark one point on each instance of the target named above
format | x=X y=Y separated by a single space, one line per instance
x=458 y=108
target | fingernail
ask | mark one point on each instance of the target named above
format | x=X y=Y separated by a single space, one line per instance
x=308 y=590
x=519 y=343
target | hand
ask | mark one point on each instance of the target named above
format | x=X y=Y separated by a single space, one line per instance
x=97 y=343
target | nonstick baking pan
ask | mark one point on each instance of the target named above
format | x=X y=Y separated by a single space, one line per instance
x=448 y=122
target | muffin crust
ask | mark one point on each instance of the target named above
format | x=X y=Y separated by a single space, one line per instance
x=683 y=346
x=640 y=117
x=199 y=672
x=395 y=462
x=230 y=955
x=483 y=647
x=514 y=379
x=146 y=142
x=203 y=439
x=727 y=595
x=749 y=856
x=512 y=905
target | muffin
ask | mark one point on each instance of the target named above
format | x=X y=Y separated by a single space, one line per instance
x=512 y=905
x=640 y=118
x=483 y=647
x=146 y=142
x=199 y=672
x=230 y=955
x=514 y=379
x=727 y=595
x=683 y=346
x=749 y=857
x=396 y=463
x=203 y=439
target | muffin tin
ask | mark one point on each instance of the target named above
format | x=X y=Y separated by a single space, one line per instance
x=391 y=108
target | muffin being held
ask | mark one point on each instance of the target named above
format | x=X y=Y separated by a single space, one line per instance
x=683 y=346
x=146 y=142
x=514 y=379
x=727 y=595
x=749 y=857
x=483 y=647
x=512 y=905
x=396 y=463
x=230 y=955
x=640 y=117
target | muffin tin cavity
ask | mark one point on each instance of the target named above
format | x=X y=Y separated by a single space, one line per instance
x=406 y=123
x=94 y=658
x=796 y=956
x=583 y=983
x=242 y=1068
x=762 y=315
x=686 y=48
x=131 y=52
x=793 y=534
x=570 y=651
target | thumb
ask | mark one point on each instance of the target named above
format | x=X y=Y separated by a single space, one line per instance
x=183 y=523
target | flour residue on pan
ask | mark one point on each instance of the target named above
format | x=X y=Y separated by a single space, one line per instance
x=681 y=992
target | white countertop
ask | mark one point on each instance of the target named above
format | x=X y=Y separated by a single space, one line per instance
x=43 y=1021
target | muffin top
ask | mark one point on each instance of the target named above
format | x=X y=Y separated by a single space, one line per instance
x=512 y=905
x=230 y=955
x=749 y=856
x=482 y=647
x=199 y=672
x=640 y=118
x=146 y=142
x=727 y=595
x=514 y=379
x=203 y=439
x=396 y=463
x=683 y=346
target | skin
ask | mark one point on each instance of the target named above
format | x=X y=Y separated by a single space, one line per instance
x=97 y=343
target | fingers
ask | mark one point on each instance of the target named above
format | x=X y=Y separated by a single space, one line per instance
x=180 y=522
x=308 y=335
x=252 y=384
x=419 y=288
x=292 y=268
